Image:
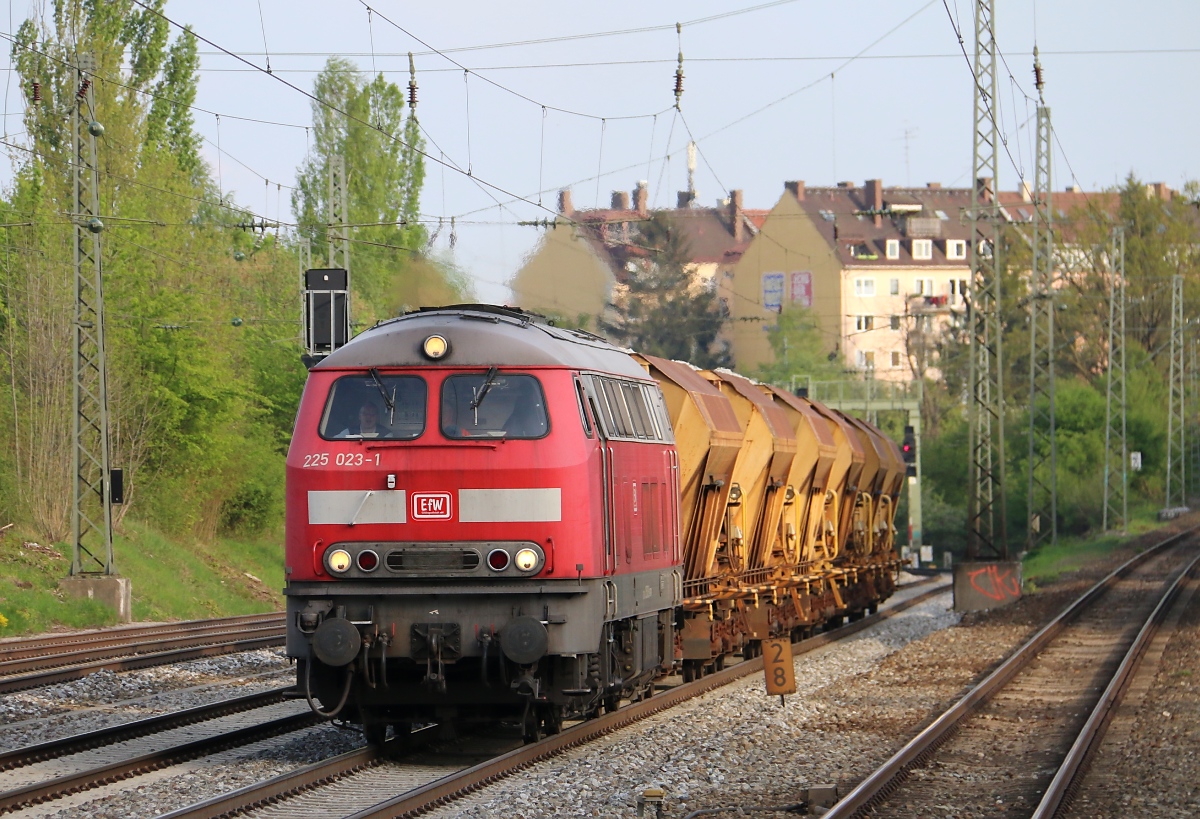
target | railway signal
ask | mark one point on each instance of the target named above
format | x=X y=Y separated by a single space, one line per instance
x=909 y=448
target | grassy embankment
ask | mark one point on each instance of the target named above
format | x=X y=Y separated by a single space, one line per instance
x=171 y=580
x=1048 y=562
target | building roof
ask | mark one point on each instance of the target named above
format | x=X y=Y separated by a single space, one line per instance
x=712 y=235
x=857 y=222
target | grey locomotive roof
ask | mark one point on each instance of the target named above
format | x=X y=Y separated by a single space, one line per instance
x=480 y=336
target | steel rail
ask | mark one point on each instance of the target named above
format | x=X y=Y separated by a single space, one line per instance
x=84 y=654
x=36 y=646
x=30 y=754
x=464 y=782
x=18 y=682
x=1066 y=782
x=886 y=778
x=86 y=780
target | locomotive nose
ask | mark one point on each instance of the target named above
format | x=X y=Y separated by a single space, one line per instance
x=524 y=640
x=336 y=642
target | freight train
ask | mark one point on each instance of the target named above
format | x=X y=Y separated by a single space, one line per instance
x=493 y=518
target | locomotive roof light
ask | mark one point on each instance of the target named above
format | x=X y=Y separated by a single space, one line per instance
x=735 y=493
x=435 y=347
x=526 y=560
x=338 y=560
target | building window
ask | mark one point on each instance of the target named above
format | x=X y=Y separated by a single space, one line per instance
x=893 y=248
x=958 y=290
x=922 y=249
x=864 y=323
x=956 y=249
x=866 y=359
x=895 y=358
x=922 y=287
x=864 y=287
x=895 y=322
x=894 y=286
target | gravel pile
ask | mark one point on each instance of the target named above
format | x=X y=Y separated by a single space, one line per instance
x=110 y=698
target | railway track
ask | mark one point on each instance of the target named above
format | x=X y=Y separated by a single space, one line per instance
x=349 y=783
x=47 y=660
x=1020 y=739
x=99 y=757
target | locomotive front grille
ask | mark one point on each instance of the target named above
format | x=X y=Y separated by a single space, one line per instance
x=432 y=560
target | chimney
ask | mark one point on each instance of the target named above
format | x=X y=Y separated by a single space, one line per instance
x=564 y=203
x=874 y=198
x=641 y=197
x=984 y=186
x=934 y=186
x=735 y=216
x=684 y=199
x=1161 y=190
x=796 y=189
x=1026 y=191
x=620 y=200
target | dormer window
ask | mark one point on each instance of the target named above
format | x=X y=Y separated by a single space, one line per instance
x=893 y=248
x=956 y=249
x=922 y=249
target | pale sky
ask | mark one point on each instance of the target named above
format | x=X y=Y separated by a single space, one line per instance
x=1120 y=80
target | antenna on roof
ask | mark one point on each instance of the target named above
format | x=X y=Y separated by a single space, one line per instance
x=691 y=172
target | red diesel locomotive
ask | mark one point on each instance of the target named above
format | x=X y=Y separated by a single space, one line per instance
x=463 y=488
x=485 y=521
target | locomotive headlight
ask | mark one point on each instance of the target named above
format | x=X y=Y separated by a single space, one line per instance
x=339 y=560
x=435 y=347
x=526 y=560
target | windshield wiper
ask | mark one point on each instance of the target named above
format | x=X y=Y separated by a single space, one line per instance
x=483 y=390
x=389 y=401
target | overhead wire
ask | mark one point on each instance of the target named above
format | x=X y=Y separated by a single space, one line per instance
x=333 y=107
x=467 y=71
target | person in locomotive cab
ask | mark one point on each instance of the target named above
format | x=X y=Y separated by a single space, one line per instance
x=510 y=407
x=368 y=425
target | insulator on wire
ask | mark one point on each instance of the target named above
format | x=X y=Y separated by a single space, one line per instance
x=679 y=70
x=1039 y=79
x=83 y=89
x=412 y=82
x=37 y=91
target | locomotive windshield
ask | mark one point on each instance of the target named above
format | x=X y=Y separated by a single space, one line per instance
x=491 y=405
x=375 y=406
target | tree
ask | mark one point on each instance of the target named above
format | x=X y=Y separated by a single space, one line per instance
x=385 y=170
x=801 y=349
x=661 y=308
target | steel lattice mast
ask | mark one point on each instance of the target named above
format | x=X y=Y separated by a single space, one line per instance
x=339 y=236
x=1043 y=455
x=1176 y=488
x=987 y=508
x=91 y=505
x=1116 y=446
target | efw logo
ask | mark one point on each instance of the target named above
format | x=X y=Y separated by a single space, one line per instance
x=431 y=506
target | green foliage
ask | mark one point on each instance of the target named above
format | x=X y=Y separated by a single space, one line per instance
x=661 y=308
x=1162 y=238
x=385 y=170
x=171 y=579
x=801 y=349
